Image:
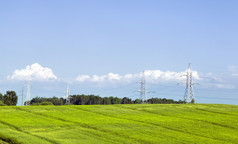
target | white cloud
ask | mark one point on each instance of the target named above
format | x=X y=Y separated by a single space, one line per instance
x=221 y=81
x=233 y=70
x=83 y=78
x=112 y=76
x=225 y=86
x=150 y=75
x=33 y=72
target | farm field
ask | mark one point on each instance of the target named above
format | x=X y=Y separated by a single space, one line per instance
x=147 y=123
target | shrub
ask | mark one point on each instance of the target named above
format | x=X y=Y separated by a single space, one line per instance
x=1 y=103
x=34 y=104
x=46 y=103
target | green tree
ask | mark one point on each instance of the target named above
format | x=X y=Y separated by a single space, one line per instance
x=56 y=101
x=2 y=104
x=46 y=103
x=10 y=98
x=106 y=101
x=136 y=101
x=36 y=100
x=111 y=99
x=126 y=100
x=1 y=97
x=1 y=100
x=116 y=100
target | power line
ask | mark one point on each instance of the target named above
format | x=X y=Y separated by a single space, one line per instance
x=221 y=90
x=177 y=95
x=218 y=98
x=110 y=89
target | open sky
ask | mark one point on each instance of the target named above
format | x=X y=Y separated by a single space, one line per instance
x=102 y=46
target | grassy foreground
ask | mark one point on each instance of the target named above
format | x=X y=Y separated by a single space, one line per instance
x=158 y=123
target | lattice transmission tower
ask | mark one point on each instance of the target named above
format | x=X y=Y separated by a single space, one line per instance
x=28 y=94
x=67 y=95
x=189 y=94
x=22 y=96
x=142 y=90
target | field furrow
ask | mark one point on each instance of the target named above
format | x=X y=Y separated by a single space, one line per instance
x=132 y=121
x=217 y=123
x=178 y=131
x=105 y=124
x=85 y=126
x=232 y=126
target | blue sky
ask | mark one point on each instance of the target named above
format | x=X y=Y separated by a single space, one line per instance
x=78 y=39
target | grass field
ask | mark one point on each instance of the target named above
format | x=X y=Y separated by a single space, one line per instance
x=158 y=123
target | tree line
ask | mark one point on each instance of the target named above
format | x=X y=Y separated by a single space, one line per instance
x=97 y=100
x=10 y=98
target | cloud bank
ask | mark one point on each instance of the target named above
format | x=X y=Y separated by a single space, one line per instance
x=233 y=70
x=34 y=72
x=151 y=76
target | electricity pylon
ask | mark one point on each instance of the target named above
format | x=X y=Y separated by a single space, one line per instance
x=189 y=95
x=28 y=95
x=22 y=96
x=142 y=90
x=67 y=96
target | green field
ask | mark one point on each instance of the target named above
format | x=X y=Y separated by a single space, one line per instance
x=147 y=123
